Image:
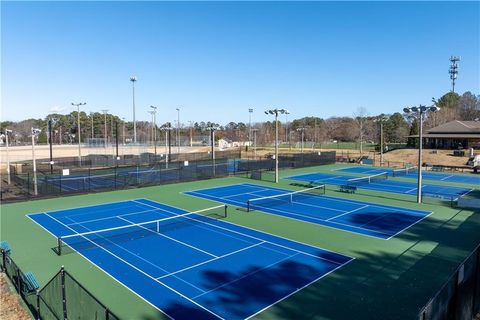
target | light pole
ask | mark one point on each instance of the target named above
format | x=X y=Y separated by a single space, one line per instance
x=133 y=79
x=78 y=129
x=167 y=131
x=212 y=138
x=35 y=133
x=178 y=129
x=8 y=158
x=302 y=130
x=254 y=143
x=419 y=113
x=191 y=134
x=123 y=130
x=105 y=129
x=91 y=118
x=286 y=129
x=276 y=112
x=154 y=113
x=250 y=111
x=51 y=123
x=381 y=119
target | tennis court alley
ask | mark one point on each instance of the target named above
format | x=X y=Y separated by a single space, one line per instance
x=413 y=174
x=380 y=182
x=312 y=206
x=189 y=265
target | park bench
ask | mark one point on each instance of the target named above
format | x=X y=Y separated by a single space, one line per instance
x=348 y=189
x=30 y=283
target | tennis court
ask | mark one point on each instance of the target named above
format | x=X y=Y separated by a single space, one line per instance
x=189 y=265
x=413 y=173
x=379 y=182
x=310 y=206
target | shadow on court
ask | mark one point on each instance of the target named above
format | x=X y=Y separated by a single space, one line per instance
x=376 y=285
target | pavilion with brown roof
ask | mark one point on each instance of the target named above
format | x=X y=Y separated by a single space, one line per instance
x=453 y=135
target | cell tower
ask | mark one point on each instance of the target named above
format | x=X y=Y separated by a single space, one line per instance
x=453 y=70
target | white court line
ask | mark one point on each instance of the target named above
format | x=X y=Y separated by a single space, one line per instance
x=447 y=177
x=284 y=215
x=248 y=274
x=348 y=212
x=272 y=243
x=217 y=258
x=181 y=242
x=101 y=269
x=116 y=216
x=139 y=270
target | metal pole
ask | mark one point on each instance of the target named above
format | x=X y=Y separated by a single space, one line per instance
x=79 y=137
x=105 y=130
x=34 y=164
x=213 y=151
x=123 y=131
x=91 y=118
x=191 y=134
x=133 y=79
x=303 y=138
x=155 y=133
x=381 y=143
x=276 y=147
x=116 y=141
x=255 y=144
x=50 y=143
x=178 y=130
x=250 y=124
x=8 y=158
x=79 y=131
x=420 y=147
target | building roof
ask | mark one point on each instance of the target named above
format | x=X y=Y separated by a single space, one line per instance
x=457 y=127
x=448 y=135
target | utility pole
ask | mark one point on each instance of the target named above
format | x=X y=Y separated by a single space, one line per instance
x=453 y=71
x=250 y=111
x=212 y=139
x=35 y=133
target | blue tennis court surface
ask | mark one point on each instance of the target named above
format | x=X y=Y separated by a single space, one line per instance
x=354 y=216
x=195 y=267
x=438 y=176
x=394 y=186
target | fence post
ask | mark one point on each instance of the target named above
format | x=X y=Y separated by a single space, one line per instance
x=4 y=268
x=37 y=293
x=107 y=314
x=19 y=288
x=64 y=297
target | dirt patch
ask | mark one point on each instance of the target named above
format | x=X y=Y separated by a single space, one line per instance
x=11 y=308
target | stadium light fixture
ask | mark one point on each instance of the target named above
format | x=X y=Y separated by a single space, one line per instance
x=419 y=113
x=276 y=112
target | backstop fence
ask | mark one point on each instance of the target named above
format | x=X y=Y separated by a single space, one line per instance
x=459 y=297
x=154 y=171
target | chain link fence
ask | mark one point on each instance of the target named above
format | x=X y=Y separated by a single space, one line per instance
x=63 y=297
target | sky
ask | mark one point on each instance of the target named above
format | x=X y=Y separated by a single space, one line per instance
x=215 y=60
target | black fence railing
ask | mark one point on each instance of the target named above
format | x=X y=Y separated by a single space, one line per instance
x=179 y=169
x=459 y=297
x=63 y=297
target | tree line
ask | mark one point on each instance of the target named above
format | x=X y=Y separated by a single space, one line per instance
x=361 y=127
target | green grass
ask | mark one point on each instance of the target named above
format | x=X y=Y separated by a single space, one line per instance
x=388 y=279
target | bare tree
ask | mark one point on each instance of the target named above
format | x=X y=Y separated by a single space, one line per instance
x=360 y=119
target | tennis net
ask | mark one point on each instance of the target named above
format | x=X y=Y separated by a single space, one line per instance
x=367 y=180
x=405 y=171
x=290 y=197
x=128 y=231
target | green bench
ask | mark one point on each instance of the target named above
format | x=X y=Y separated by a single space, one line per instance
x=348 y=189
x=30 y=283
